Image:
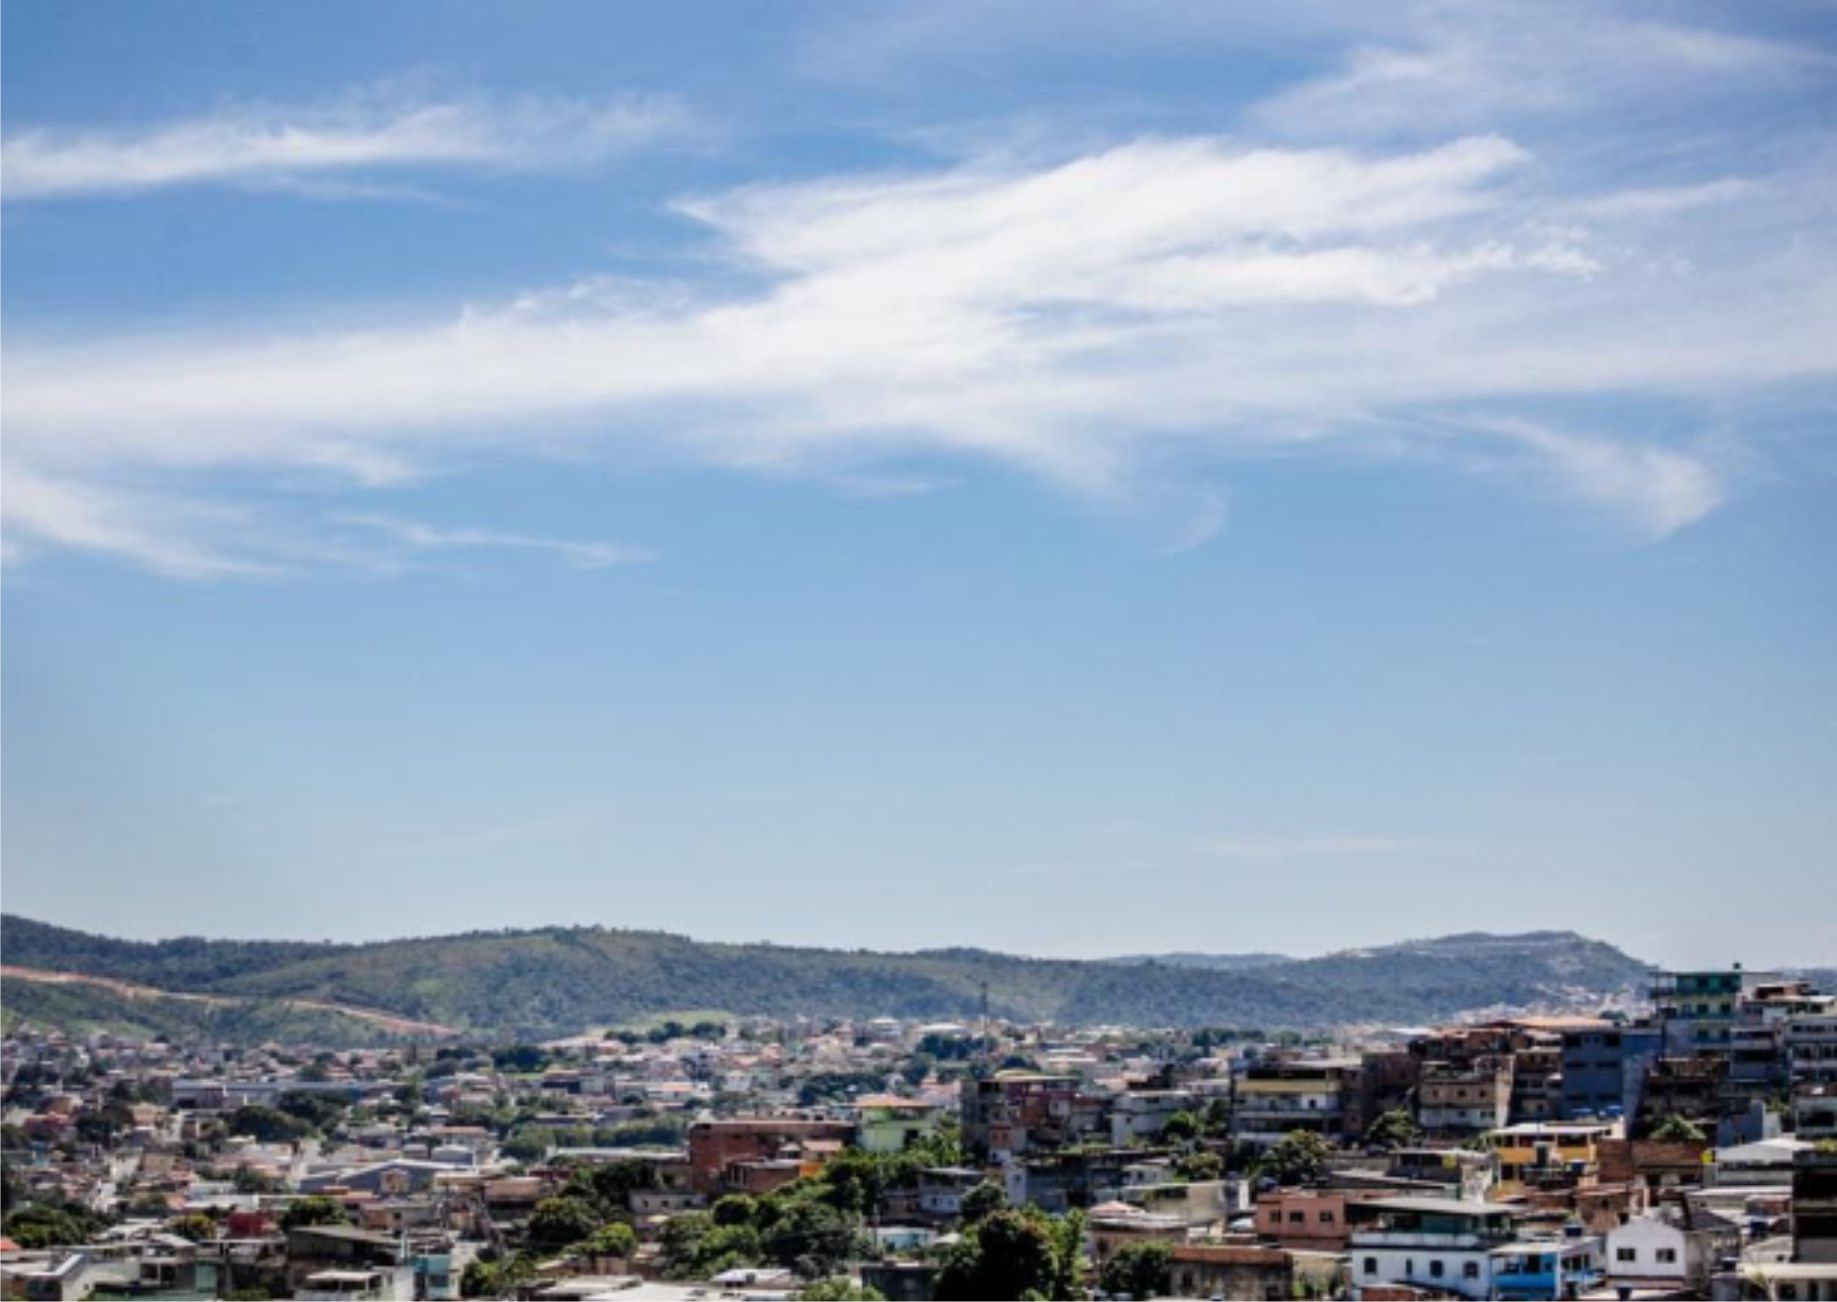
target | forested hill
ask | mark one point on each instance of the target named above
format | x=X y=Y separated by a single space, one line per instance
x=564 y=979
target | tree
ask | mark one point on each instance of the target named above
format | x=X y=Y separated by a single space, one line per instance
x=1678 y=1129
x=195 y=1226
x=1393 y=1130
x=314 y=1210
x=1298 y=1157
x=1181 y=1128
x=616 y=1239
x=40 y=1226
x=1013 y=1254
x=811 y=1237
x=485 y=1278
x=520 y=1058
x=735 y=1209
x=1139 y=1269
x=561 y=1221
x=982 y=1201
x=530 y=1144
x=1203 y=1165
x=268 y=1125
x=694 y=1247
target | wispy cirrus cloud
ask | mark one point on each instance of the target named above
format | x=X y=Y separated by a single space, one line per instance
x=1439 y=67
x=419 y=536
x=1084 y=320
x=312 y=145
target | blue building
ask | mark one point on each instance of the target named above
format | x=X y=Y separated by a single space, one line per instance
x=1604 y=1070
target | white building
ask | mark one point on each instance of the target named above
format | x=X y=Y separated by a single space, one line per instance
x=1669 y=1249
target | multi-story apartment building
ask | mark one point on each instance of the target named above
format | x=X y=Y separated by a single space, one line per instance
x=1462 y=1099
x=1012 y=1112
x=1604 y=1069
x=1467 y=1250
x=1275 y=1096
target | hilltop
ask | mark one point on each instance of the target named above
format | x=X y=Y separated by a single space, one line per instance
x=558 y=980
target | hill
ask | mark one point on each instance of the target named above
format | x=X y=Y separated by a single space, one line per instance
x=563 y=979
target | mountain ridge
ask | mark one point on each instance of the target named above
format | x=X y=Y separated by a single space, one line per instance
x=561 y=980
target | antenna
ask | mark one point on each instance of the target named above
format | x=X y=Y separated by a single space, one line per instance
x=988 y=1047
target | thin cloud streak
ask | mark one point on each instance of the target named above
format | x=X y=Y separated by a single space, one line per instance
x=426 y=537
x=273 y=146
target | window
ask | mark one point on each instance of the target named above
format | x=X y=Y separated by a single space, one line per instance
x=1470 y=1270
x=1371 y=1265
x=1296 y=1218
x=1626 y=1254
x=1668 y=1256
x=1435 y=1269
x=1326 y=1218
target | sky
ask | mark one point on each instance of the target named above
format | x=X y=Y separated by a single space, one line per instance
x=1072 y=480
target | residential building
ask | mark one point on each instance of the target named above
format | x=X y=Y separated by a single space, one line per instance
x=1673 y=1247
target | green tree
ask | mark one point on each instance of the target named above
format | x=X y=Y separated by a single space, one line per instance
x=40 y=1225
x=1393 y=1130
x=268 y=1125
x=1141 y=1270
x=735 y=1209
x=1298 y=1157
x=195 y=1226
x=694 y=1247
x=811 y=1237
x=1678 y=1129
x=1196 y=1167
x=1181 y=1128
x=616 y=1239
x=1013 y=1254
x=984 y=1200
x=314 y=1210
x=561 y=1221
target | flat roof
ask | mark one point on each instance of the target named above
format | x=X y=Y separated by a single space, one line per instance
x=1447 y=1206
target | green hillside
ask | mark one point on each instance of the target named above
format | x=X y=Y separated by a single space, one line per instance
x=86 y=1008
x=556 y=980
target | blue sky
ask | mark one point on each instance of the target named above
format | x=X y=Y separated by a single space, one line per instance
x=1074 y=480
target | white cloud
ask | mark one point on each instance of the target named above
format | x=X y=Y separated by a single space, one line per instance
x=158 y=532
x=1453 y=66
x=269 y=145
x=1659 y=490
x=1094 y=321
x=427 y=537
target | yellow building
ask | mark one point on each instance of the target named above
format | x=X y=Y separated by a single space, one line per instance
x=1546 y=1152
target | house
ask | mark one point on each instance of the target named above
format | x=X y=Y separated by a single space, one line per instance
x=1672 y=1247
x=1234 y=1270
x=1143 y=1114
x=344 y=1251
x=890 y=1124
x=1305 y=1219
